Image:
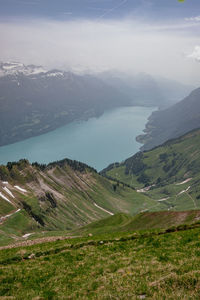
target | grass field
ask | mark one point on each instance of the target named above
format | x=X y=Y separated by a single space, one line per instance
x=140 y=265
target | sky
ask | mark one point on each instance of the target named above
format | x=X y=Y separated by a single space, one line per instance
x=159 y=37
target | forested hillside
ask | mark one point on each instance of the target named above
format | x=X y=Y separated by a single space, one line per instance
x=172 y=122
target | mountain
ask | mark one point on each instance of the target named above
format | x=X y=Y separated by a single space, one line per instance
x=60 y=196
x=34 y=101
x=169 y=174
x=172 y=122
x=145 y=90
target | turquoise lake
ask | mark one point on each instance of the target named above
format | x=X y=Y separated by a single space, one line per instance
x=97 y=142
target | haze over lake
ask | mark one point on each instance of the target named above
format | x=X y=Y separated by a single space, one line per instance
x=97 y=142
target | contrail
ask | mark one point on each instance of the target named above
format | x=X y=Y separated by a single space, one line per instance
x=112 y=9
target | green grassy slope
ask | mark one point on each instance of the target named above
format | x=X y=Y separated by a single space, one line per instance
x=148 y=220
x=150 y=265
x=165 y=169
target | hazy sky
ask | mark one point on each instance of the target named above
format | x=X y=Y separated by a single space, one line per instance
x=160 y=37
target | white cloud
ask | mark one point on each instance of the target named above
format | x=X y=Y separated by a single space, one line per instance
x=193 y=19
x=127 y=45
x=195 y=54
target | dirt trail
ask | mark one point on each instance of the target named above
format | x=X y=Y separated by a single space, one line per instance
x=195 y=205
x=109 y=212
x=38 y=241
x=183 y=182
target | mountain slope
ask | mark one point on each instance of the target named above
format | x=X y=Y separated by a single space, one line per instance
x=161 y=264
x=172 y=122
x=169 y=173
x=60 y=196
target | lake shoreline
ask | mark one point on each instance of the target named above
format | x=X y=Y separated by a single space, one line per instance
x=97 y=141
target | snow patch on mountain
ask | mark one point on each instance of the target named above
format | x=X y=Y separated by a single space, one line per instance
x=54 y=74
x=15 y=68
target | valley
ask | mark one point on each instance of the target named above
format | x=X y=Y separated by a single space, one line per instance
x=126 y=230
x=67 y=195
x=130 y=230
x=99 y=150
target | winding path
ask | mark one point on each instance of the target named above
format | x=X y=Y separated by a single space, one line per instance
x=8 y=216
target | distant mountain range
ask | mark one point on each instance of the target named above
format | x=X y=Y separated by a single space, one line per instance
x=145 y=90
x=34 y=100
x=172 y=122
